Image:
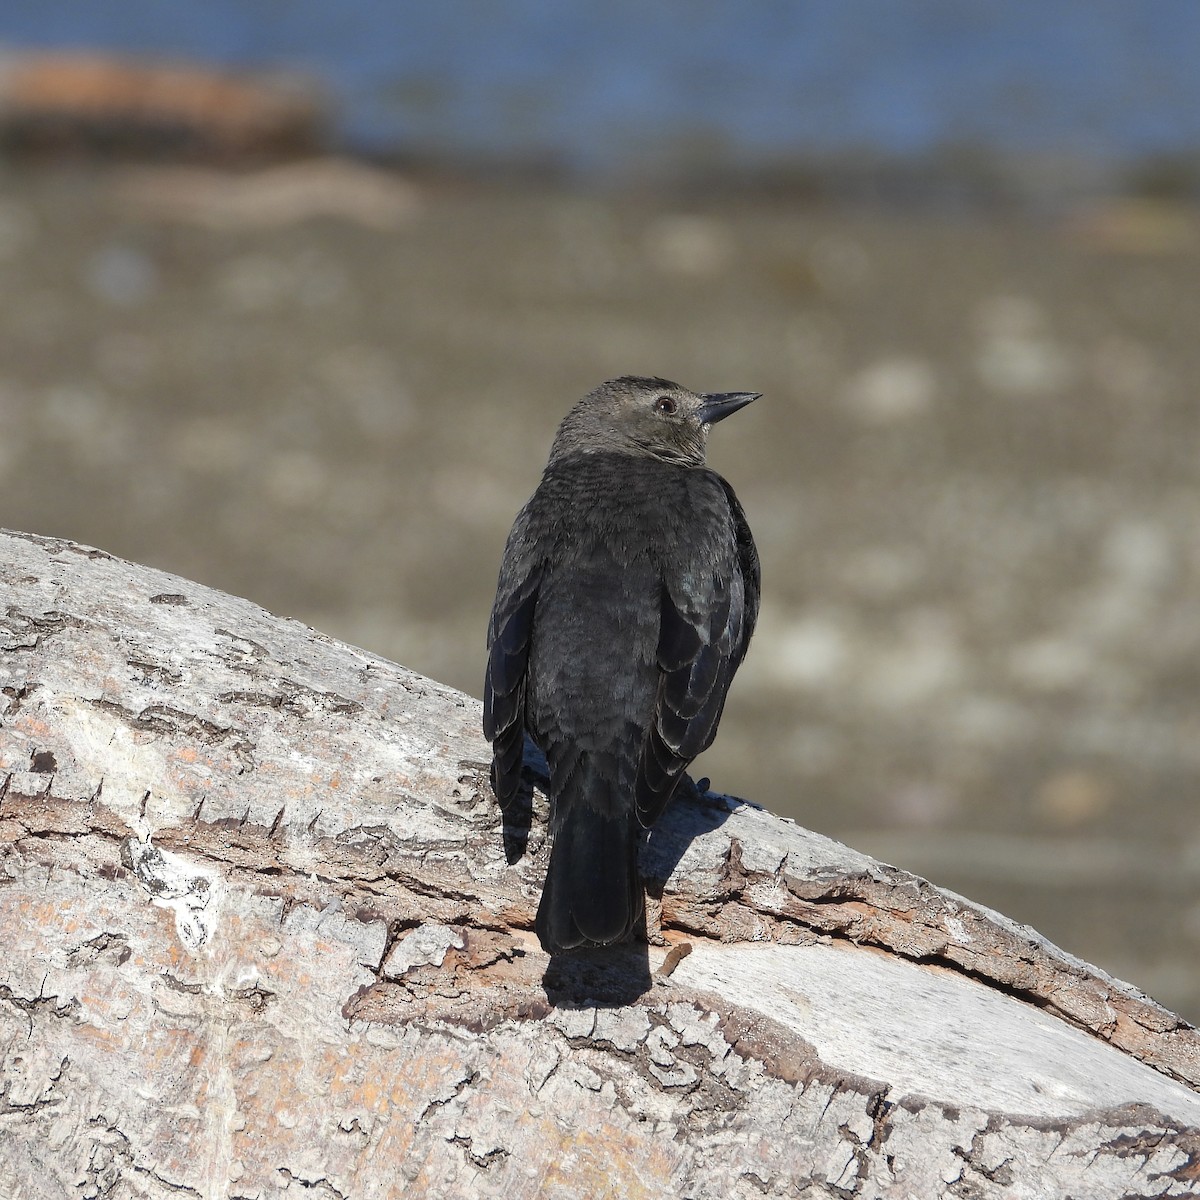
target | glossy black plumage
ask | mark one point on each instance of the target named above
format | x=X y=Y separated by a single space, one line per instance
x=627 y=596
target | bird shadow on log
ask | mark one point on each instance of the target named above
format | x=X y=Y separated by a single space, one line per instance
x=694 y=810
x=599 y=976
x=613 y=976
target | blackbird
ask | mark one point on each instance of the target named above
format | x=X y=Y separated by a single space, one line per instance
x=627 y=597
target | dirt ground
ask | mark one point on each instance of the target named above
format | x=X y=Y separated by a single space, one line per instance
x=973 y=476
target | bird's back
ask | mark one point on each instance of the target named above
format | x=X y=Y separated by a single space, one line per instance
x=627 y=595
x=592 y=657
x=611 y=522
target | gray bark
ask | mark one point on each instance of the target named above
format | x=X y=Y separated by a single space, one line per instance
x=260 y=933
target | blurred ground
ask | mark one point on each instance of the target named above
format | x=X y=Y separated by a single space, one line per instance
x=973 y=477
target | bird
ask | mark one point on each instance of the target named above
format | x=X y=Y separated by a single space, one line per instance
x=627 y=596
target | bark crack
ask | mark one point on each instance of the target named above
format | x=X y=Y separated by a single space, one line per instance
x=321 y=1185
x=111 y=1161
x=456 y=1091
x=17 y=695
x=293 y=697
x=39 y=1104
x=482 y=1161
x=21 y=625
x=40 y=1005
x=112 y=947
x=174 y=722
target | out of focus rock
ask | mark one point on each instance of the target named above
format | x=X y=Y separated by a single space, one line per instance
x=89 y=101
x=122 y=276
x=892 y=389
x=681 y=244
x=808 y=650
x=280 y=195
x=1073 y=797
x=1051 y=664
x=919 y=659
x=82 y=420
x=1017 y=354
x=1137 y=226
x=253 y=283
x=920 y=804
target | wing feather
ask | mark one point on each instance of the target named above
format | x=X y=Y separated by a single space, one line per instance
x=707 y=620
x=509 y=632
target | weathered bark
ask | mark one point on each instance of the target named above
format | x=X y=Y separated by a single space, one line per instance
x=259 y=930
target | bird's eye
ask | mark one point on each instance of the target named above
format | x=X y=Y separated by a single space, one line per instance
x=665 y=404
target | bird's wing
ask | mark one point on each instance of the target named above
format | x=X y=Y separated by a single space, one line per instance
x=708 y=615
x=508 y=657
x=751 y=572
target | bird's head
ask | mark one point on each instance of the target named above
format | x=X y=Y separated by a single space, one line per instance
x=646 y=418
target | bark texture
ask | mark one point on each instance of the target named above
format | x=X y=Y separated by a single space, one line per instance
x=261 y=933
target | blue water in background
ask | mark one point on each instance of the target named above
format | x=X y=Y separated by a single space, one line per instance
x=635 y=85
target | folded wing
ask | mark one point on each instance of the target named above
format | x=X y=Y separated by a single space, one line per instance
x=708 y=617
x=509 y=633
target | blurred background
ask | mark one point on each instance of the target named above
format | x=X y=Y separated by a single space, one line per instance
x=292 y=296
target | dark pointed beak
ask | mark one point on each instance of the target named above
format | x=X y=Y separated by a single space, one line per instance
x=718 y=405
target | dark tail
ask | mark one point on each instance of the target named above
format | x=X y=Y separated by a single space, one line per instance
x=592 y=894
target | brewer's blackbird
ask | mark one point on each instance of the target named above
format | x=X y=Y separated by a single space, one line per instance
x=627 y=596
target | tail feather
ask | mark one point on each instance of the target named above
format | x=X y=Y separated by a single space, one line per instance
x=592 y=894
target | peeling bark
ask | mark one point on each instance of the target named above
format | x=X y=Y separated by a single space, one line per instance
x=261 y=932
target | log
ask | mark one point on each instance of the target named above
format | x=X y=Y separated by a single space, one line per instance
x=264 y=930
x=54 y=102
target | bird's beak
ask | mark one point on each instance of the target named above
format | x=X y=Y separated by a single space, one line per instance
x=718 y=405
